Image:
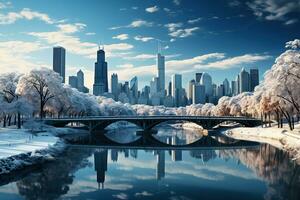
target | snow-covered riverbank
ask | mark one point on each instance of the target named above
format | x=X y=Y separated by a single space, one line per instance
x=19 y=148
x=278 y=137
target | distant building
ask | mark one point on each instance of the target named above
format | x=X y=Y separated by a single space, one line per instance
x=114 y=85
x=254 y=79
x=59 y=61
x=161 y=72
x=191 y=85
x=244 y=81
x=134 y=89
x=198 y=77
x=234 y=89
x=206 y=80
x=198 y=94
x=73 y=81
x=169 y=92
x=100 y=83
x=154 y=86
x=78 y=82
x=220 y=91
x=177 y=89
x=226 y=87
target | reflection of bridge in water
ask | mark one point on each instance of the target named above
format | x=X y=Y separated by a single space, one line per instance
x=148 y=122
x=146 y=141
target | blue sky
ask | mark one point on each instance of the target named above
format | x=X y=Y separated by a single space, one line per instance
x=218 y=37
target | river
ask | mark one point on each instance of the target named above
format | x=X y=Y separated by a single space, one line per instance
x=94 y=171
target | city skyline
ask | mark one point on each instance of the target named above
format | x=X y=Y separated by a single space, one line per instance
x=213 y=41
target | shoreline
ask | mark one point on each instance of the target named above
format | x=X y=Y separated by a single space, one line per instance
x=280 y=138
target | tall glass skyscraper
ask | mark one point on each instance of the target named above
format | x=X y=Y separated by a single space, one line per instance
x=114 y=85
x=161 y=72
x=100 y=82
x=244 y=81
x=59 y=61
x=177 y=89
x=254 y=79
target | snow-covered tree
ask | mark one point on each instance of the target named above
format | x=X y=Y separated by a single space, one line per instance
x=39 y=86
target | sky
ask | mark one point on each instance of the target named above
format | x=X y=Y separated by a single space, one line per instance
x=217 y=36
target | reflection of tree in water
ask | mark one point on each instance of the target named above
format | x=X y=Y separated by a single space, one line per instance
x=274 y=166
x=204 y=155
x=54 y=178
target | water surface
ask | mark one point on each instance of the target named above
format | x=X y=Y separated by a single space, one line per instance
x=102 y=172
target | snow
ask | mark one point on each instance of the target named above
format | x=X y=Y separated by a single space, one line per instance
x=278 y=137
x=20 y=148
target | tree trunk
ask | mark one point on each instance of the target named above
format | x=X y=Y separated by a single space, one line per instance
x=4 y=121
x=19 y=120
x=9 y=120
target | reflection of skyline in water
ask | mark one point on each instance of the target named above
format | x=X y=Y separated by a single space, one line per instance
x=114 y=173
x=183 y=136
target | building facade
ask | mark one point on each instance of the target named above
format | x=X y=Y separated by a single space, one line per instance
x=100 y=82
x=59 y=61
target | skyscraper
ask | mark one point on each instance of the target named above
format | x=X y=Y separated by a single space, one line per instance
x=234 y=89
x=80 y=81
x=100 y=83
x=244 y=81
x=73 y=81
x=198 y=94
x=254 y=79
x=114 y=85
x=226 y=87
x=191 y=84
x=154 y=86
x=169 y=92
x=177 y=89
x=161 y=73
x=134 y=87
x=206 y=80
x=59 y=61
x=198 y=77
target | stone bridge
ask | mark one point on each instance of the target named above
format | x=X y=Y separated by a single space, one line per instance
x=148 y=122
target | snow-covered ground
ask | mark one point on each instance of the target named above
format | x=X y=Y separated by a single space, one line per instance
x=281 y=138
x=19 y=148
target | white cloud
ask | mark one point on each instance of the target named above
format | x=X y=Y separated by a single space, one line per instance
x=141 y=57
x=134 y=8
x=25 y=13
x=152 y=9
x=134 y=24
x=234 y=3
x=71 y=28
x=275 y=9
x=143 y=39
x=121 y=37
x=173 y=26
x=193 y=21
x=291 y=21
x=14 y=56
x=4 y=5
x=127 y=65
x=177 y=2
x=182 y=33
x=90 y=33
x=74 y=44
x=139 y=23
x=234 y=61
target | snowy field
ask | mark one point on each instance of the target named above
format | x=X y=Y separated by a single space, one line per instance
x=278 y=137
x=19 y=148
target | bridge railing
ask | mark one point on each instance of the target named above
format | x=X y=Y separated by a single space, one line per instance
x=175 y=117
